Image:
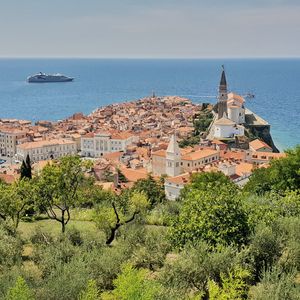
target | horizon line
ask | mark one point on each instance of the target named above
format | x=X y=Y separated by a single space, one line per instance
x=150 y=58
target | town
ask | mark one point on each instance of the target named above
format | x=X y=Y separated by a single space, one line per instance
x=143 y=137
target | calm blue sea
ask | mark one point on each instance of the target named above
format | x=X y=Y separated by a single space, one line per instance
x=98 y=82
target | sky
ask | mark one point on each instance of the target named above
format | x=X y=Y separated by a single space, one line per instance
x=150 y=28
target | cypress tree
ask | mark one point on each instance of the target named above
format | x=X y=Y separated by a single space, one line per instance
x=26 y=168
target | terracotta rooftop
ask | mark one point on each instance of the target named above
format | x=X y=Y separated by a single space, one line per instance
x=134 y=175
x=180 y=179
x=258 y=144
x=235 y=97
x=199 y=154
x=44 y=143
x=243 y=168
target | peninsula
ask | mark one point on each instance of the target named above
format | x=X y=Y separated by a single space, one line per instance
x=165 y=136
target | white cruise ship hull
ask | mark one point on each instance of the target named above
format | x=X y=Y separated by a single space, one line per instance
x=41 y=78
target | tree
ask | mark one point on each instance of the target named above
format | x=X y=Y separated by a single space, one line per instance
x=207 y=181
x=121 y=176
x=269 y=207
x=57 y=188
x=111 y=218
x=16 y=199
x=133 y=284
x=282 y=175
x=91 y=292
x=190 y=270
x=20 y=291
x=10 y=247
x=276 y=285
x=26 y=171
x=214 y=215
x=153 y=189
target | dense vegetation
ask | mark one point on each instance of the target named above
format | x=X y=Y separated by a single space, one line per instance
x=216 y=242
x=201 y=124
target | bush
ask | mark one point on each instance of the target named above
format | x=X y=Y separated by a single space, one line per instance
x=276 y=285
x=74 y=236
x=20 y=291
x=10 y=247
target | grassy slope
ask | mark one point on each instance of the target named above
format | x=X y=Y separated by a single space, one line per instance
x=80 y=219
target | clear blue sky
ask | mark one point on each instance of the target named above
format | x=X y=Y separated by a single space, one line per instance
x=149 y=28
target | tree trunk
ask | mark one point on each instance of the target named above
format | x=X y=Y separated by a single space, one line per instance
x=63 y=225
x=112 y=234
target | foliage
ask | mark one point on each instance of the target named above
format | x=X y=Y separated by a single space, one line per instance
x=10 y=247
x=275 y=245
x=214 y=215
x=269 y=207
x=91 y=292
x=133 y=284
x=202 y=122
x=189 y=141
x=233 y=286
x=57 y=188
x=20 y=291
x=191 y=269
x=163 y=213
x=153 y=189
x=121 y=177
x=216 y=242
x=152 y=251
x=207 y=181
x=276 y=285
x=15 y=199
x=281 y=176
x=111 y=218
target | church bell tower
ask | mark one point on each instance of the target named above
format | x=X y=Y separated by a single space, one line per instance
x=223 y=95
x=173 y=158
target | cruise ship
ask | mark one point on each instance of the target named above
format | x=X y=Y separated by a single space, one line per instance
x=42 y=77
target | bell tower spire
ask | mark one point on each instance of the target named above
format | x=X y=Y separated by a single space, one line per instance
x=173 y=157
x=222 y=97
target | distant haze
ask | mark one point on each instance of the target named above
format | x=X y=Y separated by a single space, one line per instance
x=150 y=28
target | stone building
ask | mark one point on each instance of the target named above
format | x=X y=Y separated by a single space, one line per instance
x=9 y=139
x=46 y=149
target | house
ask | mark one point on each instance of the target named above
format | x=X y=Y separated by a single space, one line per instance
x=260 y=146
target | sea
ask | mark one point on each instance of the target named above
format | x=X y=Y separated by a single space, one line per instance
x=99 y=82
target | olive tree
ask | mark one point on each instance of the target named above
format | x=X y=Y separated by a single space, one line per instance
x=57 y=188
x=15 y=199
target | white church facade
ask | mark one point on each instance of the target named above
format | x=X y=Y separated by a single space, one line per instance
x=175 y=161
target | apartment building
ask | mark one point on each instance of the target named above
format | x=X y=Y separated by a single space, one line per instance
x=9 y=139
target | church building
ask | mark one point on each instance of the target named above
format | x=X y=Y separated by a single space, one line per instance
x=175 y=161
x=231 y=112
